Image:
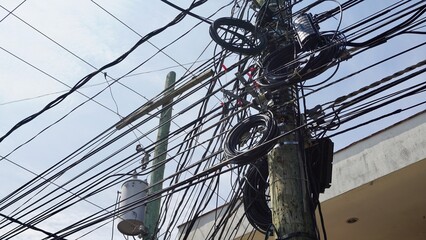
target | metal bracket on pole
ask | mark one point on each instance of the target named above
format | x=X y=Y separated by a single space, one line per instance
x=234 y=96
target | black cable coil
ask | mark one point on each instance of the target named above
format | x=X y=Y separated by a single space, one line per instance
x=281 y=68
x=278 y=65
x=243 y=37
x=255 y=198
x=251 y=134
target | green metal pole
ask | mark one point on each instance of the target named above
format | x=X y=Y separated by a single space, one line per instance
x=153 y=208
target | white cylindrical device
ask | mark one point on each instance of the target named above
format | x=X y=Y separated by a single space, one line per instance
x=131 y=221
x=306 y=30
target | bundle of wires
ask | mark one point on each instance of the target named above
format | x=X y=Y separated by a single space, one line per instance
x=282 y=68
x=255 y=198
x=252 y=134
x=245 y=39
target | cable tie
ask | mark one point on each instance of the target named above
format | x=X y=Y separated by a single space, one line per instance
x=250 y=75
x=297 y=73
x=256 y=85
x=239 y=102
x=250 y=72
x=224 y=67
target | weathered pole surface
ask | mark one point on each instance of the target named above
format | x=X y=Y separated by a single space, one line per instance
x=153 y=208
x=291 y=212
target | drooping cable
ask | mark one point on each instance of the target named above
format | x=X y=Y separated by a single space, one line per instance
x=84 y=80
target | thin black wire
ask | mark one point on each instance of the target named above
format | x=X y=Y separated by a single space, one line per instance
x=112 y=83
x=101 y=91
x=11 y=12
x=376 y=119
x=200 y=200
x=53 y=77
x=366 y=68
x=134 y=31
x=186 y=11
x=33 y=173
x=68 y=51
x=31 y=227
x=115 y=208
x=84 y=80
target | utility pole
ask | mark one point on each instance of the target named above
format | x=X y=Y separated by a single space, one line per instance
x=153 y=208
x=290 y=205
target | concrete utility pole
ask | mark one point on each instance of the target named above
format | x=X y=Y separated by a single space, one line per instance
x=291 y=213
x=153 y=208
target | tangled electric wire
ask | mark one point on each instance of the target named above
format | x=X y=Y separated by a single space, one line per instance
x=251 y=134
x=245 y=39
x=255 y=196
x=281 y=68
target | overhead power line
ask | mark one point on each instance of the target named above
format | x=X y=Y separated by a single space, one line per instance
x=54 y=236
x=209 y=113
x=84 y=80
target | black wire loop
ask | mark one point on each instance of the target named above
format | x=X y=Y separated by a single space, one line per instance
x=250 y=135
x=255 y=198
x=237 y=35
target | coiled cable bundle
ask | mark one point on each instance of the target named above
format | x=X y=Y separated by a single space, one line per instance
x=251 y=134
x=332 y=46
x=278 y=65
x=237 y=35
x=281 y=68
x=255 y=196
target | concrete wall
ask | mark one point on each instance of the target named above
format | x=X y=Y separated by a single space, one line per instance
x=206 y=222
x=378 y=155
